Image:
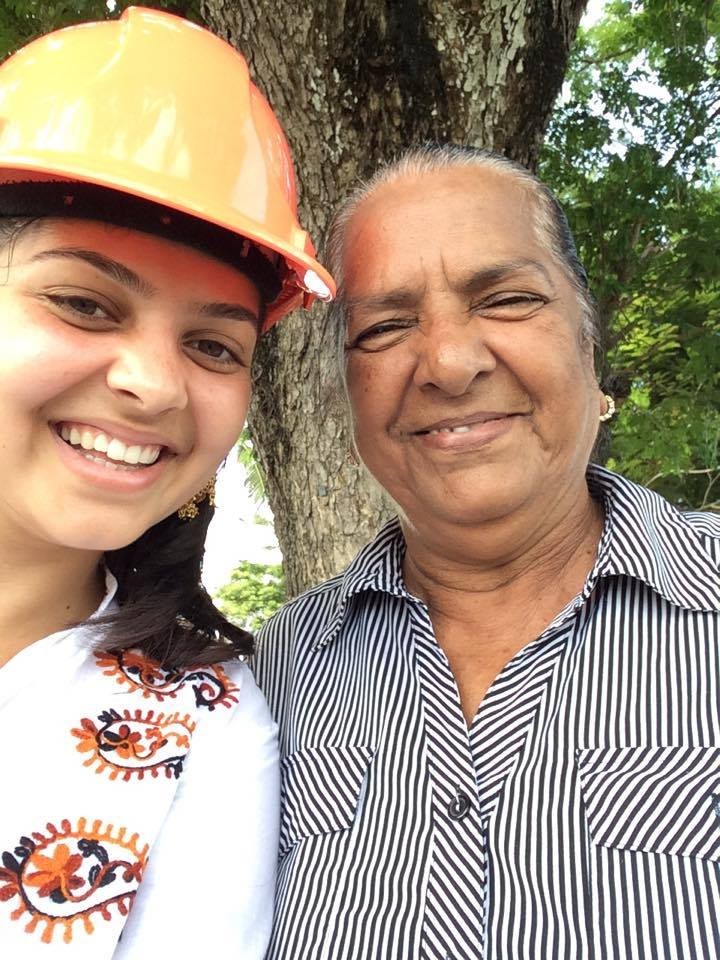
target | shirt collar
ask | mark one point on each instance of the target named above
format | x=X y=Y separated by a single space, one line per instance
x=647 y=538
x=377 y=568
x=644 y=537
x=111 y=587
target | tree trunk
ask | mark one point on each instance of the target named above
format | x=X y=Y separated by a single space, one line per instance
x=354 y=83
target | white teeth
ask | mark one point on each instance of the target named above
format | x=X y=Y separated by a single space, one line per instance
x=116 y=449
x=149 y=455
x=432 y=433
x=113 y=448
x=105 y=463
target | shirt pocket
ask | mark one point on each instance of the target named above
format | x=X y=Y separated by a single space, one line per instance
x=321 y=791
x=661 y=800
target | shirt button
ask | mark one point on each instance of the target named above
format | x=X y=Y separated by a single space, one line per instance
x=459 y=806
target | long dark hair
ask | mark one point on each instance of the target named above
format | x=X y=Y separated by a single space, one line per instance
x=163 y=608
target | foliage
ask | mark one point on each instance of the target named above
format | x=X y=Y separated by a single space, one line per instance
x=23 y=20
x=254 y=479
x=633 y=153
x=254 y=593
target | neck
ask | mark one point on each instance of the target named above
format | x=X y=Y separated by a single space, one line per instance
x=511 y=563
x=44 y=589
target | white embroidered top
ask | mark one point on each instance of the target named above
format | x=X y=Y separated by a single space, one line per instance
x=126 y=785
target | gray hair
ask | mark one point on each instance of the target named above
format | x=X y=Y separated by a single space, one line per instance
x=550 y=224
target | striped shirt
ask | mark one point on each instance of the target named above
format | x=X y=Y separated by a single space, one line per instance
x=578 y=817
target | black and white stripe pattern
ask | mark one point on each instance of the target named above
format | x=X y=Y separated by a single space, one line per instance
x=591 y=772
x=455 y=895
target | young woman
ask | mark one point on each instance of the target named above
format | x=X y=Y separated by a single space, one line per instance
x=148 y=234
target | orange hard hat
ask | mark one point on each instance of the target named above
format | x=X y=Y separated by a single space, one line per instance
x=154 y=106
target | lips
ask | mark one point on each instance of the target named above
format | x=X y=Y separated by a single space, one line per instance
x=460 y=424
x=466 y=435
x=103 y=446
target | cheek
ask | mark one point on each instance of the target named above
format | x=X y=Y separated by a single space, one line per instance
x=556 y=367
x=220 y=412
x=373 y=390
x=35 y=368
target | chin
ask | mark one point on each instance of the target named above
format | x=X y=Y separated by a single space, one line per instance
x=474 y=500
x=96 y=537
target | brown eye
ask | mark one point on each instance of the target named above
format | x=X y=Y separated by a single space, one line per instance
x=214 y=355
x=213 y=349
x=83 y=306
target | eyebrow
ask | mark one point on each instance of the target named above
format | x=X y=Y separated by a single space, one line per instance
x=133 y=281
x=478 y=280
x=229 y=311
x=112 y=268
x=486 y=276
x=395 y=298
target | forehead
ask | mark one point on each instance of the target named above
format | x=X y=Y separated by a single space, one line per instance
x=451 y=221
x=166 y=264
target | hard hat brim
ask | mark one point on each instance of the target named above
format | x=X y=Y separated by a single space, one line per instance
x=294 y=292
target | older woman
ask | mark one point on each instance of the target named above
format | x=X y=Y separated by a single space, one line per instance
x=500 y=725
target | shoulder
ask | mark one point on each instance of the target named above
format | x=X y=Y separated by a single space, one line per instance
x=648 y=514
x=706 y=527
x=235 y=746
x=303 y=623
x=287 y=640
x=243 y=716
x=705 y=524
x=302 y=619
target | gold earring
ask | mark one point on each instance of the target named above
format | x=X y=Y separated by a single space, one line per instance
x=610 y=412
x=189 y=510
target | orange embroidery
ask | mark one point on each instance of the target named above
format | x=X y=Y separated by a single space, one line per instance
x=132 y=742
x=69 y=874
x=211 y=685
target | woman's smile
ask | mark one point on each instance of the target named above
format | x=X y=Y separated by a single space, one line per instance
x=112 y=449
x=119 y=467
x=463 y=435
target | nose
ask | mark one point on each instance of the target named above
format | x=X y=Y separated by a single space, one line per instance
x=148 y=368
x=453 y=352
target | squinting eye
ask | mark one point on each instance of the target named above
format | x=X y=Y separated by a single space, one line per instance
x=517 y=300
x=381 y=335
x=511 y=305
x=512 y=300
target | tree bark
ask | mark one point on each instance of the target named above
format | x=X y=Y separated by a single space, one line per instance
x=354 y=82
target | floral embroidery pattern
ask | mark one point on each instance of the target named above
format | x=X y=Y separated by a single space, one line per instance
x=132 y=743
x=211 y=685
x=70 y=874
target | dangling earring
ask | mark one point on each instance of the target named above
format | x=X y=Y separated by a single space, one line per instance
x=610 y=412
x=189 y=510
